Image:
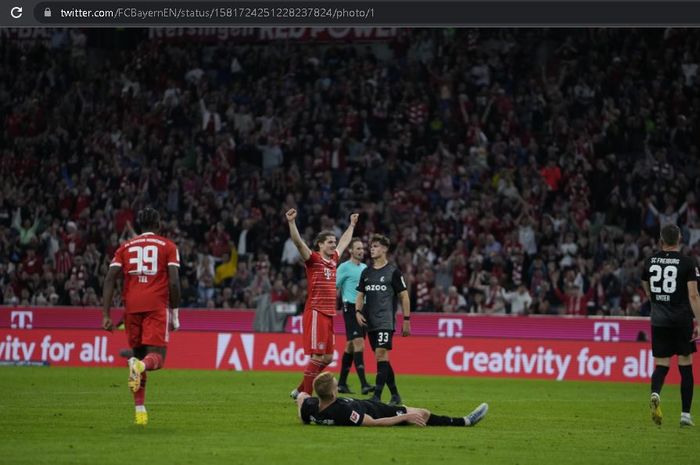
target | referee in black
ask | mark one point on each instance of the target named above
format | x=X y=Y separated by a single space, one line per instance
x=375 y=306
x=670 y=281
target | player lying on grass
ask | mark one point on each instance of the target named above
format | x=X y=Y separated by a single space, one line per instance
x=329 y=409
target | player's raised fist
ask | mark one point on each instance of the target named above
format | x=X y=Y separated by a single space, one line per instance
x=291 y=214
x=353 y=218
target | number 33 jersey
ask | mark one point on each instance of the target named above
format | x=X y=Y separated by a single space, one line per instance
x=668 y=274
x=380 y=287
x=144 y=260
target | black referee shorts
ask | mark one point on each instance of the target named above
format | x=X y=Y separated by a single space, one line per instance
x=667 y=342
x=353 y=330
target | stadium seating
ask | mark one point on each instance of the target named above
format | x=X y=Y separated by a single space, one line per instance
x=492 y=158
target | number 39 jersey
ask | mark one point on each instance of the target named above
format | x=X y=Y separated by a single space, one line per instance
x=144 y=261
x=668 y=274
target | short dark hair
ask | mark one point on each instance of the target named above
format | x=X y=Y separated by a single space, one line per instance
x=353 y=240
x=670 y=234
x=148 y=219
x=321 y=237
x=381 y=239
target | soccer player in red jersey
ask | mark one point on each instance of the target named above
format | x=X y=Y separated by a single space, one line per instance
x=318 y=338
x=150 y=266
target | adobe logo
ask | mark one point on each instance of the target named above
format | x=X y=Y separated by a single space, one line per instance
x=236 y=351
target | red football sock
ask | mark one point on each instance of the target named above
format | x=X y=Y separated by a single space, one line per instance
x=140 y=395
x=312 y=370
x=153 y=361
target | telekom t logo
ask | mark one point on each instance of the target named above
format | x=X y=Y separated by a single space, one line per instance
x=21 y=319
x=450 y=327
x=606 y=331
x=241 y=346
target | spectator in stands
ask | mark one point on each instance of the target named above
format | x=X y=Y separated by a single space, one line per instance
x=551 y=160
x=26 y=229
x=519 y=300
x=422 y=294
x=454 y=302
x=188 y=293
x=476 y=302
x=574 y=300
x=494 y=301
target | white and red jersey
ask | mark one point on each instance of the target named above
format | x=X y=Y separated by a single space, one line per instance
x=144 y=261
x=320 y=276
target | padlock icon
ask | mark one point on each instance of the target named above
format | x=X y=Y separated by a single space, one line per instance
x=47 y=13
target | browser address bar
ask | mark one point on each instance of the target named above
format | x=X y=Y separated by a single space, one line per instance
x=262 y=12
x=481 y=13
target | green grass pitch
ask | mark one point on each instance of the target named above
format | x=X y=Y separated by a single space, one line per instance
x=84 y=416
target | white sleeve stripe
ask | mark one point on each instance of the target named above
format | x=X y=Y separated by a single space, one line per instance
x=173 y=264
x=116 y=264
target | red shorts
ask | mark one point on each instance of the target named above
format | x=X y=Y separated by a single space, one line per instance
x=147 y=328
x=318 y=333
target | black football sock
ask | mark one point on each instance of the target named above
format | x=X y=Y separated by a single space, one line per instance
x=345 y=369
x=140 y=352
x=687 y=383
x=359 y=359
x=439 y=420
x=391 y=381
x=382 y=375
x=657 y=378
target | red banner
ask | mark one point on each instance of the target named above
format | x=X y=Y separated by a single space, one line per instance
x=422 y=324
x=545 y=359
x=267 y=34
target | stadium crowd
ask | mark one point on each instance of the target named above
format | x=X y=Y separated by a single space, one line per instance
x=522 y=171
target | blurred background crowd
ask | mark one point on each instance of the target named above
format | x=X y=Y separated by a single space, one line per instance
x=520 y=171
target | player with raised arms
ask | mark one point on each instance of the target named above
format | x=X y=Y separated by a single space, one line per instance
x=319 y=310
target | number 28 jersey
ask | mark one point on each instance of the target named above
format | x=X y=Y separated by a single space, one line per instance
x=144 y=261
x=668 y=274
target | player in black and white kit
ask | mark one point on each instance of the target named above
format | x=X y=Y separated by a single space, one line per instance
x=670 y=281
x=375 y=306
x=330 y=410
